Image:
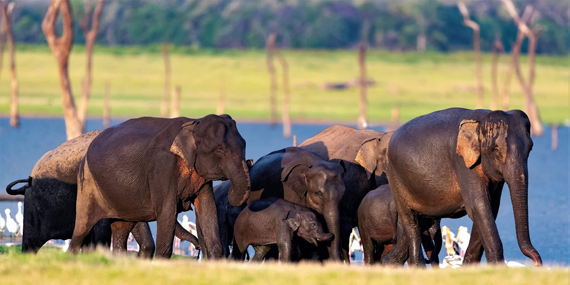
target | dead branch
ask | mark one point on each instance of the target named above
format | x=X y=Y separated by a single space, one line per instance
x=107 y=106
x=61 y=47
x=477 y=47
x=175 y=103
x=526 y=86
x=222 y=99
x=90 y=37
x=2 y=43
x=7 y=16
x=285 y=116
x=362 y=119
x=497 y=49
x=269 y=46
x=166 y=92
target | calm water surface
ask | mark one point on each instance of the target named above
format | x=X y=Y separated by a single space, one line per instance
x=549 y=192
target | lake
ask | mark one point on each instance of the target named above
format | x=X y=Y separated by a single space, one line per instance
x=549 y=193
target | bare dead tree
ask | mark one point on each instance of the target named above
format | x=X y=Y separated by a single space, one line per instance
x=476 y=47
x=554 y=144
x=269 y=46
x=107 y=106
x=220 y=109
x=363 y=103
x=90 y=36
x=507 y=81
x=294 y=140
x=285 y=116
x=175 y=103
x=166 y=92
x=395 y=121
x=7 y=16
x=61 y=48
x=526 y=86
x=2 y=44
x=497 y=49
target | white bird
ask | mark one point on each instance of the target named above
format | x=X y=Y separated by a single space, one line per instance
x=185 y=223
x=514 y=264
x=2 y=224
x=11 y=225
x=463 y=237
x=20 y=219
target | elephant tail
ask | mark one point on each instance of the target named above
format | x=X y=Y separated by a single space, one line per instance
x=21 y=190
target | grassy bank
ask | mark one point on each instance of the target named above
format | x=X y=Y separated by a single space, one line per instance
x=419 y=83
x=55 y=267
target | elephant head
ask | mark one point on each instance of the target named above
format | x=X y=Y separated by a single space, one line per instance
x=323 y=188
x=306 y=226
x=371 y=155
x=215 y=149
x=500 y=142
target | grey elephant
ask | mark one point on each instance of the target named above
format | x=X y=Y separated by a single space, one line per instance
x=380 y=229
x=363 y=152
x=50 y=199
x=150 y=169
x=455 y=162
x=273 y=222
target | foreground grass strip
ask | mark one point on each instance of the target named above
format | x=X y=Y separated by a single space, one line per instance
x=54 y=267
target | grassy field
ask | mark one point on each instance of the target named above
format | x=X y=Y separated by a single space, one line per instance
x=55 y=267
x=419 y=83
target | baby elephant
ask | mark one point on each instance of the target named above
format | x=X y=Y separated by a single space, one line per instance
x=267 y=222
x=378 y=226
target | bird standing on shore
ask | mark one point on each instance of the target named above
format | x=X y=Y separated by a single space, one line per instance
x=11 y=225
x=20 y=219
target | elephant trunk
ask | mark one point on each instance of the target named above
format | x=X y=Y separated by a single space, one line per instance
x=239 y=176
x=518 y=185
x=331 y=216
x=21 y=190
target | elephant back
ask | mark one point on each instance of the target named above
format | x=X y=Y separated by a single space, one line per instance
x=62 y=163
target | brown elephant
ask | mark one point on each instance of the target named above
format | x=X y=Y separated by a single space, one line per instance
x=150 y=169
x=50 y=196
x=455 y=162
x=363 y=154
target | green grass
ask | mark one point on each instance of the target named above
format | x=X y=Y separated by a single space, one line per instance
x=55 y=267
x=419 y=83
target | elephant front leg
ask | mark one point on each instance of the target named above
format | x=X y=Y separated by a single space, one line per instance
x=143 y=236
x=260 y=252
x=207 y=220
x=481 y=212
x=475 y=250
x=165 y=224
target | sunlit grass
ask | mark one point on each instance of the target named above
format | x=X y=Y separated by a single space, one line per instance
x=419 y=83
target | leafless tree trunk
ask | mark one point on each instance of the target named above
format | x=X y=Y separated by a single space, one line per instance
x=294 y=140
x=554 y=145
x=477 y=47
x=497 y=49
x=526 y=86
x=220 y=109
x=7 y=15
x=269 y=46
x=90 y=37
x=2 y=43
x=61 y=48
x=507 y=83
x=166 y=92
x=107 y=106
x=285 y=116
x=363 y=103
x=175 y=103
x=395 y=122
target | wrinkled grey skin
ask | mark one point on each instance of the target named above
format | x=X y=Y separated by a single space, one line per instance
x=380 y=229
x=272 y=221
x=455 y=162
x=363 y=154
x=50 y=198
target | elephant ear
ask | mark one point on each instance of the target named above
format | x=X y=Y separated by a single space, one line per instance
x=184 y=144
x=292 y=221
x=384 y=143
x=288 y=169
x=367 y=156
x=468 y=144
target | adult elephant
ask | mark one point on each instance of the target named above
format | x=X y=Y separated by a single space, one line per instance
x=300 y=177
x=456 y=161
x=50 y=196
x=150 y=169
x=363 y=154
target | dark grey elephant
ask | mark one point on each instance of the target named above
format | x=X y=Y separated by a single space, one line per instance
x=363 y=154
x=380 y=229
x=50 y=199
x=455 y=162
x=271 y=222
x=149 y=169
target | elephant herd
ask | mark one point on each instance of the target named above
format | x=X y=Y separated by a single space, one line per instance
x=291 y=204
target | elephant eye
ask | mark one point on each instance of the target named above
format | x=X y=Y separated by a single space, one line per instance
x=219 y=151
x=313 y=225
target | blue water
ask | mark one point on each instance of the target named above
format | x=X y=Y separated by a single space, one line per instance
x=549 y=193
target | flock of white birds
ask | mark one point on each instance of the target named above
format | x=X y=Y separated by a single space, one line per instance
x=13 y=227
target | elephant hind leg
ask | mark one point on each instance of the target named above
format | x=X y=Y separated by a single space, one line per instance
x=367 y=246
x=143 y=236
x=121 y=230
x=260 y=252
